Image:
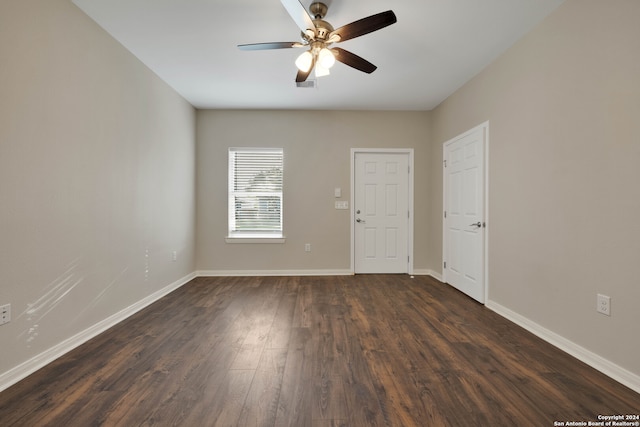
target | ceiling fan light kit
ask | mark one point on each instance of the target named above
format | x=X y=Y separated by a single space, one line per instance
x=304 y=61
x=321 y=71
x=318 y=35
x=326 y=58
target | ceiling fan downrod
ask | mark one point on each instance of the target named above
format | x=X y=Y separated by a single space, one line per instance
x=318 y=10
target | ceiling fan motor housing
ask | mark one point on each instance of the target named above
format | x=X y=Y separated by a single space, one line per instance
x=323 y=29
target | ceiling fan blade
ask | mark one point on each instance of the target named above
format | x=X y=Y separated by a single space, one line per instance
x=299 y=14
x=272 y=45
x=353 y=60
x=302 y=75
x=365 y=25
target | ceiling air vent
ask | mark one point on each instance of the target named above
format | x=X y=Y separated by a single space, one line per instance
x=307 y=84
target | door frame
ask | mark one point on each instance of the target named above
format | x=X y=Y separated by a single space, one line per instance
x=485 y=128
x=406 y=151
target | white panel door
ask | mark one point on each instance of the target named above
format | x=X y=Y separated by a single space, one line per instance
x=381 y=210
x=464 y=226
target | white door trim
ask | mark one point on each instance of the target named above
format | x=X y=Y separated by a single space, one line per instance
x=485 y=127
x=409 y=152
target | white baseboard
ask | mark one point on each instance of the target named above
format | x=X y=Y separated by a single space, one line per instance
x=12 y=376
x=436 y=275
x=244 y=273
x=603 y=365
x=427 y=272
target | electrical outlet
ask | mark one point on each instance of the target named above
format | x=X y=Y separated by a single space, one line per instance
x=307 y=247
x=604 y=305
x=5 y=314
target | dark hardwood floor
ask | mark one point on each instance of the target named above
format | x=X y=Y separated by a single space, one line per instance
x=368 y=350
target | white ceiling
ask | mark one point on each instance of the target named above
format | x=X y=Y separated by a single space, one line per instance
x=434 y=48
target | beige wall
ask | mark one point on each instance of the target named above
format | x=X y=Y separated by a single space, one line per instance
x=317 y=153
x=96 y=177
x=564 y=111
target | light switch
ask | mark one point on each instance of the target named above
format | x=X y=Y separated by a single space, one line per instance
x=342 y=204
x=337 y=192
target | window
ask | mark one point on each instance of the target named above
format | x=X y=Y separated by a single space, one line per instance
x=255 y=192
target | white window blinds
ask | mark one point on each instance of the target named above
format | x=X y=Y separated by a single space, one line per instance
x=255 y=192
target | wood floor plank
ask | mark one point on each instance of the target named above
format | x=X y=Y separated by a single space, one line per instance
x=330 y=423
x=295 y=402
x=234 y=398
x=302 y=312
x=258 y=324
x=365 y=350
x=261 y=405
x=329 y=398
x=280 y=331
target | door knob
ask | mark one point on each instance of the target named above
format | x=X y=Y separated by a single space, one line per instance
x=360 y=220
x=476 y=224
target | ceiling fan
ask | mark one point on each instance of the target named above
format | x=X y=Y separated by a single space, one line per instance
x=318 y=35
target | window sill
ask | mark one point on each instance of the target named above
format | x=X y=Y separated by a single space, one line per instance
x=236 y=239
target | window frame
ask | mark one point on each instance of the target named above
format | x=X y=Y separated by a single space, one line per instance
x=252 y=236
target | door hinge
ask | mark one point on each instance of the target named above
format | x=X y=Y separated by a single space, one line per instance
x=445 y=264
x=408 y=214
x=445 y=214
x=445 y=163
x=407 y=259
